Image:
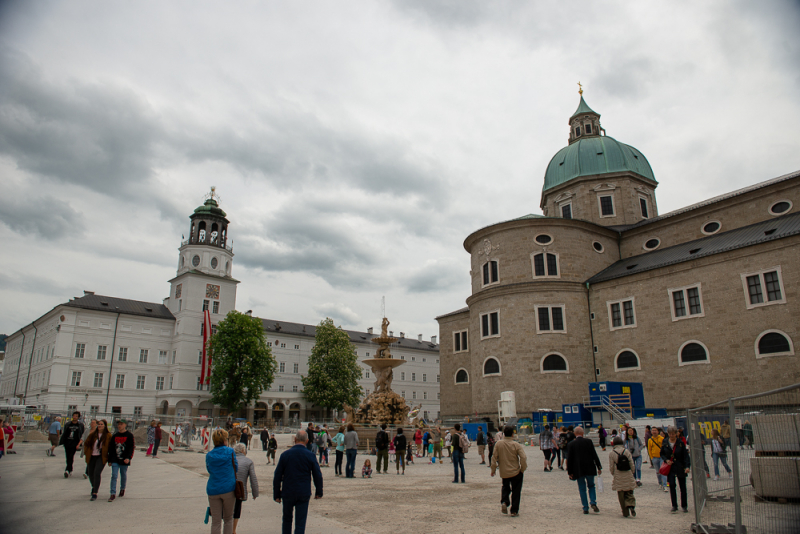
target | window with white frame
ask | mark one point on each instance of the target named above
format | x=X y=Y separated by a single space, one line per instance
x=626 y=360
x=162 y=357
x=424 y=395
x=490 y=324
x=143 y=353
x=101 y=352
x=402 y=375
x=437 y=378
x=120 y=382
x=606 y=205
x=282 y=367
x=686 y=302
x=283 y=345
x=566 y=210
x=491 y=367
x=297 y=347
x=174 y=355
x=137 y=410
x=692 y=352
x=366 y=374
x=774 y=343
x=80 y=349
x=215 y=307
x=460 y=343
x=462 y=376
x=643 y=207
x=554 y=363
x=413 y=377
x=413 y=358
x=295 y=368
x=171 y=379
x=294 y=389
x=140 y=382
x=98 y=380
x=545 y=265
x=550 y=319
x=491 y=273
x=621 y=314
x=198 y=385
x=205 y=305
x=414 y=395
x=424 y=377
x=280 y=388
x=122 y=356
x=160 y=382
x=763 y=288
x=199 y=357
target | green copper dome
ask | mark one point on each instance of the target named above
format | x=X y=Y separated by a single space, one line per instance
x=210 y=207
x=593 y=155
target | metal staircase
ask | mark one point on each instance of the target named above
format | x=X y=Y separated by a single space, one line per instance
x=619 y=406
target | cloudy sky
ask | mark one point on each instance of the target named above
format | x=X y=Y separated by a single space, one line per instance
x=354 y=144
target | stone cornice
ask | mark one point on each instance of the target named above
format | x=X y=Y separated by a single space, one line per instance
x=477 y=235
x=526 y=287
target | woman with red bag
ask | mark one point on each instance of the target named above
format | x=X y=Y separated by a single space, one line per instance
x=677 y=462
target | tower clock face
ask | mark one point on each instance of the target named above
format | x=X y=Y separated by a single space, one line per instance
x=212 y=291
x=196 y=261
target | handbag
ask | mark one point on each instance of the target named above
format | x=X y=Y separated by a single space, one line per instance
x=238 y=492
x=666 y=468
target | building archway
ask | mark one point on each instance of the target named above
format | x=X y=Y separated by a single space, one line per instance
x=277 y=411
x=183 y=408
x=164 y=408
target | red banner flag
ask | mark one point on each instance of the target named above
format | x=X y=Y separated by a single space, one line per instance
x=205 y=372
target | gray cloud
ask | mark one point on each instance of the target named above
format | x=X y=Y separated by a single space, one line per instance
x=42 y=216
x=437 y=276
x=340 y=313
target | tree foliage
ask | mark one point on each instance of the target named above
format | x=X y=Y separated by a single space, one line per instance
x=242 y=365
x=333 y=370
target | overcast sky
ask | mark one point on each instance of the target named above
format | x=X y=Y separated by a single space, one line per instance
x=354 y=144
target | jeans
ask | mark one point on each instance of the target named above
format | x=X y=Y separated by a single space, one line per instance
x=350 y=468
x=338 y=467
x=222 y=512
x=322 y=455
x=637 y=468
x=662 y=480
x=95 y=467
x=300 y=506
x=717 y=457
x=70 y=452
x=512 y=485
x=314 y=449
x=672 y=491
x=399 y=462
x=557 y=452
x=424 y=448
x=155 y=447
x=122 y=469
x=383 y=456
x=458 y=461
x=583 y=483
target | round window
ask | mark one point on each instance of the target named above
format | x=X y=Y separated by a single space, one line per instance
x=711 y=227
x=543 y=239
x=214 y=263
x=650 y=244
x=597 y=246
x=780 y=207
x=196 y=261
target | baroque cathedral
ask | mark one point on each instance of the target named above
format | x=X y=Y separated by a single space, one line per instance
x=699 y=304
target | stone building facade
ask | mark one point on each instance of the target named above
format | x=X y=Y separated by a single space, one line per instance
x=113 y=355
x=698 y=304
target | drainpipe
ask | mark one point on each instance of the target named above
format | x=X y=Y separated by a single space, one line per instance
x=591 y=332
x=111 y=365
x=19 y=362
x=30 y=362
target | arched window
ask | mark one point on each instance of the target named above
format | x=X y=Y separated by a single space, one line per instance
x=693 y=352
x=627 y=360
x=491 y=367
x=462 y=377
x=774 y=343
x=554 y=363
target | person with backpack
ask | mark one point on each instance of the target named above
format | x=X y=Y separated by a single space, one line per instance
x=620 y=463
x=563 y=441
x=321 y=441
x=460 y=444
x=400 y=444
x=491 y=443
x=382 y=446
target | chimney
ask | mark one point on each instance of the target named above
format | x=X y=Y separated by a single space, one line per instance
x=249 y=313
x=369 y=330
x=402 y=335
x=419 y=337
x=87 y=292
x=433 y=340
x=391 y=332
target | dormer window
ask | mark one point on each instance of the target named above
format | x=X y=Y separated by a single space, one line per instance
x=588 y=129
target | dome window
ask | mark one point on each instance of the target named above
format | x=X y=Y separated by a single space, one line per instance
x=627 y=360
x=711 y=227
x=598 y=247
x=774 y=343
x=491 y=367
x=543 y=239
x=693 y=352
x=554 y=363
x=780 y=207
x=652 y=244
x=462 y=377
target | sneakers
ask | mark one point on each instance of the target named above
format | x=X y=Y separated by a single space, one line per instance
x=514 y=515
x=595 y=509
x=685 y=510
x=674 y=509
x=665 y=488
x=66 y=474
x=112 y=497
x=586 y=512
x=94 y=498
x=122 y=493
x=503 y=508
x=639 y=483
x=730 y=475
x=716 y=477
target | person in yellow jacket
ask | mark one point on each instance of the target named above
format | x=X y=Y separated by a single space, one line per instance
x=510 y=457
x=654 y=450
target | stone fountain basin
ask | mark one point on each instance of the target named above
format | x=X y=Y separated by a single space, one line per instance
x=383 y=362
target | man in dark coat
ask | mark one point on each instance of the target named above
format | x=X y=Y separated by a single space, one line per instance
x=291 y=484
x=264 y=439
x=583 y=465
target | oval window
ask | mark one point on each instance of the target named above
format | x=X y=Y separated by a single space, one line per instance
x=780 y=207
x=543 y=239
x=650 y=244
x=597 y=246
x=711 y=227
x=196 y=261
x=214 y=263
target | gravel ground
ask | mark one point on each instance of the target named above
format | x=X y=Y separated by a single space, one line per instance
x=426 y=500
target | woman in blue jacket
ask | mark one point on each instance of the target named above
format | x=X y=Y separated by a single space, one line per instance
x=222 y=467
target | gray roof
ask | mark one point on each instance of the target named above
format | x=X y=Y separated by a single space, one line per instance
x=126 y=306
x=462 y=310
x=762 y=232
x=307 y=330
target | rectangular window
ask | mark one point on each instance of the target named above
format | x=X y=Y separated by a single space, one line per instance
x=490 y=272
x=413 y=377
x=460 y=341
x=297 y=347
x=98 y=380
x=296 y=368
x=280 y=388
x=198 y=385
x=143 y=355
x=294 y=389
x=424 y=395
x=101 y=352
x=76 y=378
x=621 y=314
x=215 y=307
x=159 y=382
x=424 y=377
x=93 y=410
x=545 y=260
x=764 y=288
x=643 y=206
x=550 y=319
x=170 y=382
x=366 y=374
x=123 y=354
x=72 y=408
x=80 y=348
x=282 y=368
x=679 y=304
x=606 y=206
x=174 y=355
x=140 y=382
x=437 y=378
x=162 y=357
x=120 y=383
x=283 y=345
x=205 y=305
x=566 y=211
x=402 y=375
x=490 y=324
x=180 y=305
x=137 y=410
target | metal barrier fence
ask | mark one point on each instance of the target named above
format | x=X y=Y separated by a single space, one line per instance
x=749 y=482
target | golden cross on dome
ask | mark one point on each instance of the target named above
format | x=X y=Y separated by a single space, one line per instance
x=580 y=89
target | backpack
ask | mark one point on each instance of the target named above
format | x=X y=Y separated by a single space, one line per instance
x=381 y=440
x=321 y=441
x=623 y=464
x=463 y=440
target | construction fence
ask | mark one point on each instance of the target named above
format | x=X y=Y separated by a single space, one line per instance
x=749 y=482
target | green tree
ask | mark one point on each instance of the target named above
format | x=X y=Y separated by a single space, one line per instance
x=242 y=366
x=333 y=370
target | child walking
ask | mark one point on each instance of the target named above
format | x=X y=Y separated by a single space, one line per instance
x=366 y=471
x=272 y=446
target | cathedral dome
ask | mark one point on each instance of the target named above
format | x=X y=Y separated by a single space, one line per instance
x=210 y=207
x=593 y=155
